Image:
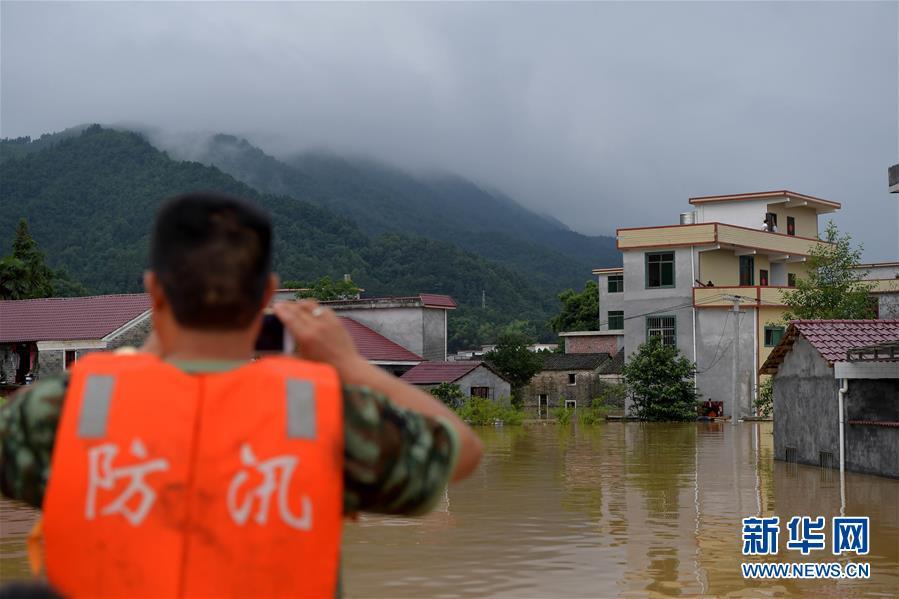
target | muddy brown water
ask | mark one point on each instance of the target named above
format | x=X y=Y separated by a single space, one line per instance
x=619 y=509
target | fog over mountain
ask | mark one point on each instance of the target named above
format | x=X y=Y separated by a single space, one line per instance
x=600 y=115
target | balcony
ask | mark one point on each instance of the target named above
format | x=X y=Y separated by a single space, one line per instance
x=779 y=246
x=720 y=297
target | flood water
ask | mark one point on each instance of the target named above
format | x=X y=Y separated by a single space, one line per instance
x=619 y=509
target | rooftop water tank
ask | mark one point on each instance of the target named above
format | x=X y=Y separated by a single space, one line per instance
x=687 y=218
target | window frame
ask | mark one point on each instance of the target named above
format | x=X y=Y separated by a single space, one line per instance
x=66 y=363
x=662 y=329
x=673 y=262
x=751 y=259
x=471 y=392
x=572 y=379
x=763 y=277
x=772 y=328
x=618 y=315
x=619 y=283
x=791 y=279
x=791 y=225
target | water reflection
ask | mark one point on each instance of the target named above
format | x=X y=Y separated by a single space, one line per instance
x=621 y=509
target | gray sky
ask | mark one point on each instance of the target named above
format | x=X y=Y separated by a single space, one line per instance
x=604 y=115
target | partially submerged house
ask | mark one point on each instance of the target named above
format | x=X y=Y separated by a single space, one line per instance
x=475 y=378
x=41 y=337
x=836 y=387
x=565 y=380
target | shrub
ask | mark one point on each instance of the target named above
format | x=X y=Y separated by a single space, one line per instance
x=764 y=405
x=562 y=415
x=450 y=394
x=611 y=395
x=481 y=411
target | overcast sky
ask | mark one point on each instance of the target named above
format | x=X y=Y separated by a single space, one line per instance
x=603 y=115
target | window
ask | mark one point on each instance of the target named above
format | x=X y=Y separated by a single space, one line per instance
x=747 y=270
x=773 y=335
x=791 y=225
x=660 y=269
x=662 y=326
x=616 y=320
x=791 y=279
x=616 y=283
x=763 y=277
x=480 y=392
x=770 y=222
x=70 y=358
x=542 y=405
x=571 y=403
x=572 y=378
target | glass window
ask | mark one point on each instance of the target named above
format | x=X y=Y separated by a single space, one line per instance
x=791 y=279
x=747 y=270
x=791 y=225
x=616 y=283
x=773 y=335
x=616 y=320
x=480 y=392
x=763 y=277
x=660 y=269
x=662 y=326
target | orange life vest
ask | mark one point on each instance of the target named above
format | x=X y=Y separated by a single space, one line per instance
x=168 y=484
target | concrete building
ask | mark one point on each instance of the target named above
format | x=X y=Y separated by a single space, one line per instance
x=418 y=323
x=380 y=350
x=886 y=291
x=836 y=393
x=41 y=337
x=680 y=282
x=475 y=379
x=566 y=380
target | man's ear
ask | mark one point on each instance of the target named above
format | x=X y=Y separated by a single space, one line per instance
x=154 y=289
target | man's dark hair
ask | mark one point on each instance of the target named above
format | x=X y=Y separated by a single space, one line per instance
x=212 y=255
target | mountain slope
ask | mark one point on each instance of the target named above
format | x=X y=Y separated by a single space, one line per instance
x=90 y=200
x=441 y=207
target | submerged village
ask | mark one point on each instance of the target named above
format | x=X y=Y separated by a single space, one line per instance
x=690 y=328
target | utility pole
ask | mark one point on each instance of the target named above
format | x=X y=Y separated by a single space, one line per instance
x=737 y=408
x=483 y=299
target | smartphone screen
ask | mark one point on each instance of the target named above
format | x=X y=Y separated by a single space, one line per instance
x=273 y=339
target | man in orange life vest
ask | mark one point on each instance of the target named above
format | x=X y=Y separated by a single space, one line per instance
x=192 y=471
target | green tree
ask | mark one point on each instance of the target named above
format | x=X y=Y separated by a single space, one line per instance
x=660 y=381
x=764 y=405
x=325 y=289
x=515 y=362
x=832 y=287
x=580 y=311
x=450 y=394
x=24 y=274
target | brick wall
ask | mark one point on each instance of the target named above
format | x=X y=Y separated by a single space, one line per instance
x=554 y=383
x=592 y=344
x=134 y=336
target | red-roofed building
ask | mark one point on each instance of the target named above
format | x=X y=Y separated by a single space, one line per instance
x=836 y=394
x=474 y=378
x=418 y=322
x=44 y=336
x=380 y=350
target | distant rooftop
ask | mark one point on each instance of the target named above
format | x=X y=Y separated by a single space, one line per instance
x=832 y=338
x=791 y=198
x=432 y=373
x=425 y=300
x=69 y=318
x=375 y=347
x=574 y=361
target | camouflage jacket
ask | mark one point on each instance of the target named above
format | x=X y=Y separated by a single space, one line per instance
x=395 y=461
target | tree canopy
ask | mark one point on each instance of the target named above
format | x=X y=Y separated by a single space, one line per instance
x=23 y=273
x=580 y=311
x=515 y=362
x=660 y=381
x=833 y=288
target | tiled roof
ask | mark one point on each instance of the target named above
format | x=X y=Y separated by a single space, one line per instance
x=832 y=338
x=573 y=361
x=376 y=347
x=434 y=300
x=613 y=366
x=429 y=373
x=68 y=318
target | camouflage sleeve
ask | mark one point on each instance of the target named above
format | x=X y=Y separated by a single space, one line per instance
x=395 y=461
x=28 y=423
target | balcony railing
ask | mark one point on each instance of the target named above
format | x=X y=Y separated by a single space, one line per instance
x=710 y=234
x=720 y=297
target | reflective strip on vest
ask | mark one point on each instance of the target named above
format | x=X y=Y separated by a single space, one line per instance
x=95 y=406
x=300 y=409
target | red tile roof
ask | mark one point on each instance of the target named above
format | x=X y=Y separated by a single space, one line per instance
x=375 y=347
x=435 y=300
x=832 y=338
x=429 y=373
x=68 y=318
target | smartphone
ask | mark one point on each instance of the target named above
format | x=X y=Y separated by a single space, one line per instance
x=273 y=338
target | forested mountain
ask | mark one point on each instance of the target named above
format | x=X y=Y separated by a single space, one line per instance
x=90 y=199
x=447 y=208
